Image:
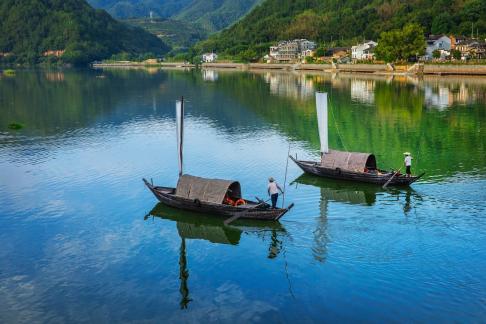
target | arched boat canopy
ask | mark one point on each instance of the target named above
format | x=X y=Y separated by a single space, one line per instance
x=349 y=161
x=209 y=190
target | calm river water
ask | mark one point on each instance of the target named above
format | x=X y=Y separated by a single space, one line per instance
x=82 y=239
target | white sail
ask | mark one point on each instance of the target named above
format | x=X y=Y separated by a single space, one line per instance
x=180 y=131
x=321 y=104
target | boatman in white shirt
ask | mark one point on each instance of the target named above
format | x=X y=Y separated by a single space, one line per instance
x=273 y=189
x=408 y=163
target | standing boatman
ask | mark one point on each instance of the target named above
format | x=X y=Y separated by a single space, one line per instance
x=273 y=189
x=408 y=163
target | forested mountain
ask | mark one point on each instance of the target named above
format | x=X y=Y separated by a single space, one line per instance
x=179 y=35
x=209 y=15
x=124 y=9
x=28 y=28
x=344 y=21
x=214 y=15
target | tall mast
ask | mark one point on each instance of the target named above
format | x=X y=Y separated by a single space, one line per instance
x=322 y=120
x=180 y=132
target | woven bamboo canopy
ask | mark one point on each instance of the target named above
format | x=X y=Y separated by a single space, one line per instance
x=350 y=161
x=209 y=190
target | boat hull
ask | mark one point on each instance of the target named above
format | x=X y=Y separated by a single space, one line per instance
x=167 y=197
x=316 y=169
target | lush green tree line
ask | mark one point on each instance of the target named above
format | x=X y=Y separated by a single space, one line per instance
x=31 y=27
x=338 y=22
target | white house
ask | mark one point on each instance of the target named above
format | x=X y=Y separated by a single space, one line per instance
x=209 y=57
x=305 y=44
x=363 y=51
x=441 y=43
x=307 y=53
x=291 y=50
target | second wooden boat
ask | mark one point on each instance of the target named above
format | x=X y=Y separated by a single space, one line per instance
x=352 y=166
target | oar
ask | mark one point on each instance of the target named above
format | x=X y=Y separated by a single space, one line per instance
x=389 y=180
x=261 y=200
x=241 y=214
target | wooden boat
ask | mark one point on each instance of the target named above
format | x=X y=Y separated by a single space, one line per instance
x=207 y=196
x=210 y=196
x=351 y=166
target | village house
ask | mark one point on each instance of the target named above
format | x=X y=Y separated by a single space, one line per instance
x=209 y=57
x=291 y=51
x=441 y=43
x=307 y=53
x=456 y=40
x=364 y=51
x=56 y=53
x=471 y=48
x=338 y=52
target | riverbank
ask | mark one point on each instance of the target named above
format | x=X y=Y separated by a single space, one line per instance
x=433 y=69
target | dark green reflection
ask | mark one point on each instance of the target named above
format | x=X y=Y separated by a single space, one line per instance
x=440 y=120
x=50 y=102
x=194 y=226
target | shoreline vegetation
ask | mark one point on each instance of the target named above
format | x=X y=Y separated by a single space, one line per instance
x=412 y=69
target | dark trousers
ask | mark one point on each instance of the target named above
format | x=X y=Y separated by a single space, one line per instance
x=409 y=172
x=274 y=200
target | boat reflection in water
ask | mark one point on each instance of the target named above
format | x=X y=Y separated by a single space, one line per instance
x=195 y=226
x=352 y=193
x=356 y=193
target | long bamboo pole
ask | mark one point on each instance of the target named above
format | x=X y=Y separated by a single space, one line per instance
x=285 y=179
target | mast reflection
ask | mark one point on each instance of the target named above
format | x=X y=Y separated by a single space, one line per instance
x=349 y=193
x=200 y=227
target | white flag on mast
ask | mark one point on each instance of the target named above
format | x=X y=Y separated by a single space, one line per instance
x=321 y=104
x=180 y=131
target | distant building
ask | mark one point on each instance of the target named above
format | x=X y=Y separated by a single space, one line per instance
x=441 y=43
x=151 y=61
x=291 y=51
x=472 y=48
x=457 y=40
x=364 y=51
x=56 y=53
x=308 y=53
x=338 y=52
x=209 y=57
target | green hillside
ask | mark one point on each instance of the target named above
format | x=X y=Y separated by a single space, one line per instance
x=124 y=9
x=177 y=34
x=214 y=15
x=31 y=27
x=344 y=22
x=208 y=15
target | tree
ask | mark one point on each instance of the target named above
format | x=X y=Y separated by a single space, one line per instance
x=441 y=23
x=309 y=59
x=436 y=54
x=456 y=54
x=249 y=55
x=320 y=52
x=305 y=25
x=401 y=44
